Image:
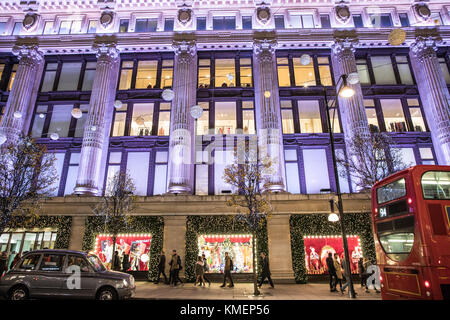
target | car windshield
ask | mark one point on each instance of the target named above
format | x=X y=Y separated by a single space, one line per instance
x=96 y=262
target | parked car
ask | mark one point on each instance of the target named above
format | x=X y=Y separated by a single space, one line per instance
x=65 y=273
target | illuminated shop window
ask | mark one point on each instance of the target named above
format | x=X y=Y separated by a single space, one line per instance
x=60 y=120
x=142 y=121
x=67 y=27
x=92 y=27
x=137 y=167
x=287 y=118
x=167 y=74
x=164 y=119
x=126 y=74
x=239 y=248
x=204 y=73
x=114 y=161
x=292 y=176
x=404 y=70
x=248 y=117
x=246 y=72
x=371 y=114
x=48 y=27
x=160 y=181
x=146 y=25
x=304 y=74
x=383 y=70
x=416 y=115
x=426 y=155
x=363 y=71
x=72 y=173
x=2 y=67
x=284 y=77
x=225 y=117
x=225 y=73
x=394 y=118
x=69 y=76
x=146 y=74
x=316 y=170
x=49 y=77
x=444 y=67
x=324 y=71
x=201 y=172
x=135 y=246
x=203 y=121
x=13 y=76
x=222 y=159
x=317 y=248
x=309 y=113
x=120 y=116
x=334 y=116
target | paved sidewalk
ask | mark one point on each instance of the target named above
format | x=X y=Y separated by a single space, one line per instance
x=243 y=291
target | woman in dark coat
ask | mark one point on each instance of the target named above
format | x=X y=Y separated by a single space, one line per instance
x=125 y=262
x=265 y=270
x=199 y=271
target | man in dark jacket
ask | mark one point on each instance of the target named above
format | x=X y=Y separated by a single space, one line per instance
x=331 y=271
x=162 y=267
x=175 y=266
x=3 y=262
x=116 y=261
x=227 y=271
x=265 y=273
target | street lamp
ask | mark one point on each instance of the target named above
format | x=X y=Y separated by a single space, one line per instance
x=347 y=92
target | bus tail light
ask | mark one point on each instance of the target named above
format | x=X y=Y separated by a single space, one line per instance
x=427 y=284
x=376 y=210
x=409 y=200
x=381 y=278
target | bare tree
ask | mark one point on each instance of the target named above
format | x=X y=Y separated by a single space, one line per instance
x=370 y=159
x=27 y=176
x=116 y=206
x=252 y=205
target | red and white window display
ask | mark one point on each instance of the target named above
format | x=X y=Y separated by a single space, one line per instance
x=136 y=246
x=239 y=248
x=318 y=247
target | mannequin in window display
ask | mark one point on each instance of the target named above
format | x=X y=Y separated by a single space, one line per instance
x=314 y=257
x=224 y=85
x=356 y=255
x=149 y=86
x=134 y=256
x=245 y=129
x=161 y=131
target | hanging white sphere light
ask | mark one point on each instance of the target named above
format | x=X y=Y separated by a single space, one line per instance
x=305 y=59
x=196 y=111
x=17 y=115
x=353 y=78
x=333 y=217
x=230 y=77
x=54 y=136
x=267 y=94
x=77 y=113
x=2 y=138
x=94 y=128
x=168 y=94
x=117 y=104
x=41 y=115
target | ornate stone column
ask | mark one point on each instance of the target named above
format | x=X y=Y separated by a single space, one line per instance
x=352 y=110
x=434 y=94
x=268 y=112
x=181 y=140
x=94 y=149
x=20 y=98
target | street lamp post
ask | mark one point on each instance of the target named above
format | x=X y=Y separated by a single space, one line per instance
x=345 y=92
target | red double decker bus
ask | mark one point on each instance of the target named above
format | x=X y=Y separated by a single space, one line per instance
x=411 y=219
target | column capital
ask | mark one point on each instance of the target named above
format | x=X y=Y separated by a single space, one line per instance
x=344 y=45
x=261 y=46
x=184 y=47
x=29 y=52
x=106 y=50
x=425 y=46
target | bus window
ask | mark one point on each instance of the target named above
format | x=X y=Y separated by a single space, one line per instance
x=397 y=237
x=391 y=191
x=436 y=185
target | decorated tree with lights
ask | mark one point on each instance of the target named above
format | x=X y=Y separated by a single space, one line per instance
x=27 y=176
x=370 y=159
x=116 y=206
x=251 y=203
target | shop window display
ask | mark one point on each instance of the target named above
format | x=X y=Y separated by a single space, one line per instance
x=239 y=248
x=318 y=247
x=137 y=246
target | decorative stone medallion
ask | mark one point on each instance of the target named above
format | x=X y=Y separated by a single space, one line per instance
x=342 y=13
x=29 y=21
x=184 y=16
x=263 y=14
x=106 y=18
x=422 y=11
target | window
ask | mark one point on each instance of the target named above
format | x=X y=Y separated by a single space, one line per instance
x=363 y=71
x=137 y=167
x=222 y=158
x=168 y=24
x=284 y=77
x=407 y=156
x=381 y=20
x=342 y=172
x=48 y=27
x=316 y=170
x=72 y=173
x=403 y=69
x=201 y=172
x=69 y=76
x=436 y=185
x=13 y=76
x=394 y=118
x=324 y=71
x=279 y=22
x=426 y=155
x=358 y=21
x=225 y=74
x=287 y=117
x=444 y=68
x=245 y=65
x=52 y=262
x=383 y=70
x=92 y=28
x=2 y=28
x=203 y=121
x=224 y=23
x=325 y=21
x=404 y=20
x=416 y=115
x=164 y=119
x=247 y=23
x=114 y=161
x=123 y=25
x=142 y=120
x=302 y=21
x=167 y=74
x=292 y=176
x=160 y=181
x=89 y=75
x=437 y=19
x=76 y=263
x=80 y=123
x=49 y=77
x=146 y=25
x=334 y=117
x=398 y=245
x=30 y=262
x=146 y=74
x=201 y=23
x=371 y=114
x=309 y=113
x=58 y=164
x=248 y=117
x=126 y=74
x=304 y=74
x=204 y=73
x=17 y=28
x=392 y=191
x=225 y=117
x=60 y=120
x=120 y=116
x=67 y=27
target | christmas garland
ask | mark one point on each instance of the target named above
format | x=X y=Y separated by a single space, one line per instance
x=147 y=224
x=196 y=225
x=317 y=224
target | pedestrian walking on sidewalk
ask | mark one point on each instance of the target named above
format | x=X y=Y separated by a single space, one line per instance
x=347 y=276
x=227 y=271
x=205 y=269
x=116 y=261
x=265 y=273
x=125 y=262
x=175 y=267
x=331 y=272
x=162 y=268
x=337 y=267
x=199 y=271
x=3 y=262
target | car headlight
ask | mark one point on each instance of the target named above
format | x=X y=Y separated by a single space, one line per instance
x=125 y=283
x=131 y=281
